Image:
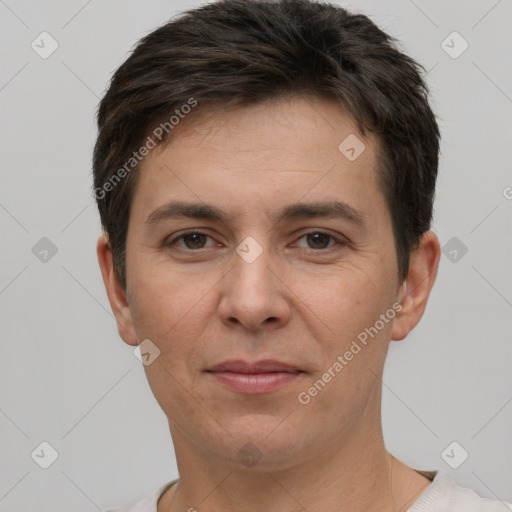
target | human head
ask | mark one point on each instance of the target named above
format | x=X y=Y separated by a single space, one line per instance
x=234 y=169
x=241 y=52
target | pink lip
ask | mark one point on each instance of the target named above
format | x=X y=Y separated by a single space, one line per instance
x=255 y=383
x=254 y=378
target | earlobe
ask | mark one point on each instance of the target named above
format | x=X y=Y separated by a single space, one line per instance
x=415 y=290
x=115 y=292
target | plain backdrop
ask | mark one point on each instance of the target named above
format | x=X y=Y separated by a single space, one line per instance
x=67 y=379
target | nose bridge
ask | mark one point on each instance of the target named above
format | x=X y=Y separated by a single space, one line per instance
x=252 y=276
x=251 y=294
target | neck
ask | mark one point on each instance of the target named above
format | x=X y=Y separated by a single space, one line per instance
x=352 y=472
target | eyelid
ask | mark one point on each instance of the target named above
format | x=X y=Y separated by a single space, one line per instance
x=172 y=241
x=339 y=240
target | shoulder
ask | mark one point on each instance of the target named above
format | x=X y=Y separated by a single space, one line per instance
x=445 y=495
x=146 y=504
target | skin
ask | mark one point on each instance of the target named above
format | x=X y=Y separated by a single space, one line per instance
x=302 y=301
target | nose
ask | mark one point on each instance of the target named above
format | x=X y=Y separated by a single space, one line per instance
x=253 y=295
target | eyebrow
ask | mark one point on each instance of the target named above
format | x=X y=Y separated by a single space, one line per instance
x=329 y=209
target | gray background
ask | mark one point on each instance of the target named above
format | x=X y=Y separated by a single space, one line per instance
x=65 y=375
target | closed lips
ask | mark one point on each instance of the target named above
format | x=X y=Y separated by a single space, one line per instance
x=264 y=366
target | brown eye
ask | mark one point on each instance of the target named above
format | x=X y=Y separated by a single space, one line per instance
x=318 y=240
x=190 y=241
x=194 y=240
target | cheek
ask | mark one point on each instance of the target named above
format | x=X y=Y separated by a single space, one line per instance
x=351 y=309
x=174 y=311
x=158 y=308
x=351 y=306
x=162 y=296
x=349 y=299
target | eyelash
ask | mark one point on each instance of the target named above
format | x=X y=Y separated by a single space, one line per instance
x=339 y=243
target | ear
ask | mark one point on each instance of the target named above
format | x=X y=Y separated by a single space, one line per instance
x=116 y=293
x=415 y=290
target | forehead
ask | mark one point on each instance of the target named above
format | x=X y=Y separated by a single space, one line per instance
x=262 y=155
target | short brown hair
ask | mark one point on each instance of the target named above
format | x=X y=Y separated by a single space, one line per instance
x=240 y=52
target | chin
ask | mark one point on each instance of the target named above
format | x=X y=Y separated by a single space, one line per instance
x=264 y=449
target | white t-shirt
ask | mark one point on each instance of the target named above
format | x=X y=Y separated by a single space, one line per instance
x=442 y=495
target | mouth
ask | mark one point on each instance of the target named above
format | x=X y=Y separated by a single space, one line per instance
x=254 y=378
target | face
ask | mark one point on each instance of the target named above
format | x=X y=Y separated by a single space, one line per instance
x=281 y=248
